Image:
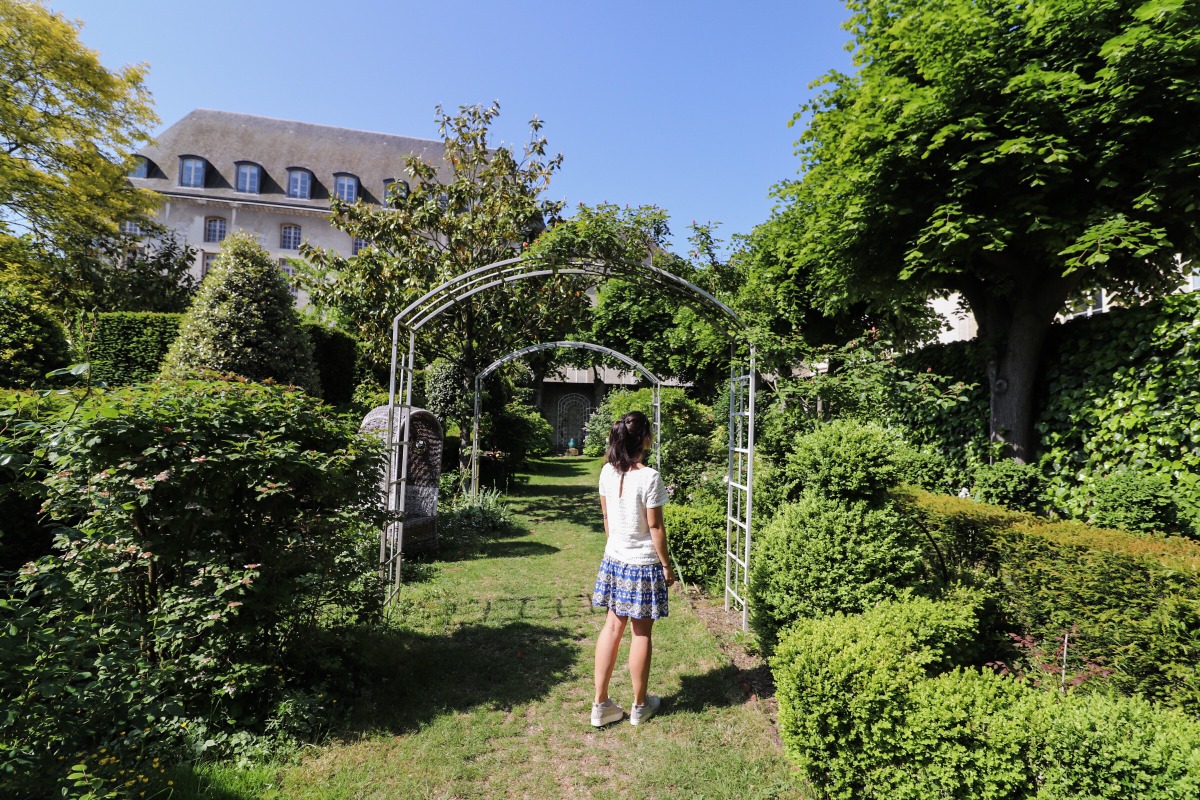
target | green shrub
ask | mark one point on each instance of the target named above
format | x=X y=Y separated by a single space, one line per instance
x=214 y=529
x=448 y=393
x=1010 y=484
x=842 y=682
x=129 y=347
x=243 y=321
x=820 y=555
x=845 y=458
x=32 y=343
x=1134 y=501
x=1131 y=603
x=465 y=521
x=697 y=536
x=521 y=432
x=335 y=355
x=879 y=705
x=927 y=468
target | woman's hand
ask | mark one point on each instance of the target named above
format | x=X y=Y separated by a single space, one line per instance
x=669 y=574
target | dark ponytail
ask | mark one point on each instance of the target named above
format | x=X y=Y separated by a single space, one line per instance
x=626 y=441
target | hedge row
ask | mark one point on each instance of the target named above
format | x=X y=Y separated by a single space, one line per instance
x=129 y=348
x=879 y=705
x=1126 y=603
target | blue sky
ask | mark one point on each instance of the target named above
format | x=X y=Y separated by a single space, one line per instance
x=681 y=104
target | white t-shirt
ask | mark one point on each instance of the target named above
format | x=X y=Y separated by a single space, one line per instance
x=628 y=529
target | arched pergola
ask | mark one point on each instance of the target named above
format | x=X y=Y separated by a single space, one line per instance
x=655 y=382
x=740 y=472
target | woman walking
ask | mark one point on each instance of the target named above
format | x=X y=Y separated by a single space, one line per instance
x=636 y=571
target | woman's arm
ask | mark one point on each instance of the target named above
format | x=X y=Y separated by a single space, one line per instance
x=604 y=513
x=658 y=536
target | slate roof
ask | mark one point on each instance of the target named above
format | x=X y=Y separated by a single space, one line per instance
x=225 y=139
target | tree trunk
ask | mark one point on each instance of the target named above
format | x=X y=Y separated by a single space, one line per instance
x=1014 y=328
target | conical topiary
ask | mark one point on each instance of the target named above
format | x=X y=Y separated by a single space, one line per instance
x=243 y=321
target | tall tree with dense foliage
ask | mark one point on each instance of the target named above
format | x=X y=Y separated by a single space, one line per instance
x=68 y=128
x=1013 y=151
x=483 y=204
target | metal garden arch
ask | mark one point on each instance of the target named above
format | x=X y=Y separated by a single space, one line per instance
x=740 y=469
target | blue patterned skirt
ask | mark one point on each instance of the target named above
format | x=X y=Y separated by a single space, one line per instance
x=631 y=590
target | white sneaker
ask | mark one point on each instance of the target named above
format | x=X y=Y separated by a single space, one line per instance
x=606 y=713
x=642 y=713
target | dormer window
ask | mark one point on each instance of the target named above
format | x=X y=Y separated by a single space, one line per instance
x=345 y=188
x=249 y=176
x=299 y=184
x=395 y=186
x=141 y=167
x=191 y=172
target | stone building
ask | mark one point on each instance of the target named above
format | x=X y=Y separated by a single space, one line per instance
x=218 y=172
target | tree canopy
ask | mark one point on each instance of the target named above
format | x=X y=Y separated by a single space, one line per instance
x=483 y=205
x=1013 y=152
x=68 y=128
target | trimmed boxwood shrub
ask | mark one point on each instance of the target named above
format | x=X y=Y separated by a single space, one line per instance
x=335 y=355
x=32 y=342
x=697 y=536
x=1134 y=501
x=1130 y=603
x=129 y=347
x=880 y=705
x=821 y=555
x=842 y=682
x=845 y=458
x=1010 y=484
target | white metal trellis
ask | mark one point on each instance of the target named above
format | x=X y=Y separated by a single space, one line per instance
x=655 y=383
x=740 y=479
x=429 y=306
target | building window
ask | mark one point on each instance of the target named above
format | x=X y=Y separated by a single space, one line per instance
x=248 y=178
x=299 y=184
x=358 y=246
x=141 y=167
x=214 y=229
x=345 y=188
x=289 y=237
x=131 y=228
x=285 y=266
x=396 y=186
x=191 y=172
x=1195 y=282
x=207 y=263
x=1086 y=304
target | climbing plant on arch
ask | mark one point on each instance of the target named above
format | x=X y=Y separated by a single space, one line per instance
x=740 y=473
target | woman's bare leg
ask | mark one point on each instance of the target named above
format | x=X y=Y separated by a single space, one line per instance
x=607 y=645
x=639 y=658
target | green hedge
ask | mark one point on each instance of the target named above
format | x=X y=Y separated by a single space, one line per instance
x=128 y=347
x=697 y=536
x=1129 y=603
x=32 y=342
x=335 y=354
x=879 y=705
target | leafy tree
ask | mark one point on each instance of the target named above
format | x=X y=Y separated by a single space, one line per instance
x=1014 y=152
x=68 y=127
x=244 y=321
x=484 y=204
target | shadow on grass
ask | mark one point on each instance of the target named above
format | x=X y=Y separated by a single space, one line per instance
x=517 y=548
x=413 y=678
x=717 y=688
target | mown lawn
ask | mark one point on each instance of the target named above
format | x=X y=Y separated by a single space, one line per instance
x=489 y=665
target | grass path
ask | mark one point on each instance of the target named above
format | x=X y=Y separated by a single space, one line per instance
x=491 y=686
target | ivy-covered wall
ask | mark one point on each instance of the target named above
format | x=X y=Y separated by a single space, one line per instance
x=1118 y=391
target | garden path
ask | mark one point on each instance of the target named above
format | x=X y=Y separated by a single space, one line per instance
x=493 y=682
